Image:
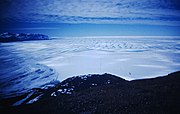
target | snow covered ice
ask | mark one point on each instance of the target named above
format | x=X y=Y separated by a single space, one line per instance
x=32 y=64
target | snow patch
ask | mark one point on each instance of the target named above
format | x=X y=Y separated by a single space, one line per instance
x=63 y=91
x=108 y=82
x=53 y=94
x=22 y=100
x=34 y=100
x=84 y=77
x=66 y=84
x=94 y=84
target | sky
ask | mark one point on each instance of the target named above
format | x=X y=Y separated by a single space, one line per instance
x=91 y=17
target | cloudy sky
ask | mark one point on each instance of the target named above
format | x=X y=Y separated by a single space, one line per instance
x=130 y=12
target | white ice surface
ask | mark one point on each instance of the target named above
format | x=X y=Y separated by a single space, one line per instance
x=133 y=58
x=128 y=58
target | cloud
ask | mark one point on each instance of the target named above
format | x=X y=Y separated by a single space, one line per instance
x=161 y=12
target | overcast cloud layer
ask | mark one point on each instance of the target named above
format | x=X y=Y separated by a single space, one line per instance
x=156 y=12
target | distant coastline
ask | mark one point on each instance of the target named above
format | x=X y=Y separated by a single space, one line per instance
x=12 y=37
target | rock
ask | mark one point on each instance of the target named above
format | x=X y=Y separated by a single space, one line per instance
x=11 y=37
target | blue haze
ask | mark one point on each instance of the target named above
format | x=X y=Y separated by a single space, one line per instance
x=74 y=30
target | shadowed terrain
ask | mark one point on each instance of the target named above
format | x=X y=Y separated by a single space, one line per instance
x=105 y=94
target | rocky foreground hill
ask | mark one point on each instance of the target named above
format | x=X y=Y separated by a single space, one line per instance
x=11 y=37
x=104 y=94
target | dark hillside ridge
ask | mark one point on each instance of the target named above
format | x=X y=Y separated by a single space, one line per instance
x=107 y=94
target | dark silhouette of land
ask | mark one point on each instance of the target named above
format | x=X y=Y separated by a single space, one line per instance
x=13 y=37
x=106 y=94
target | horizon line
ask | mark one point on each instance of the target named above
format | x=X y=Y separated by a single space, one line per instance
x=138 y=36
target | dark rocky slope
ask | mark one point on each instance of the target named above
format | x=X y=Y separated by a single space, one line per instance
x=107 y=94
